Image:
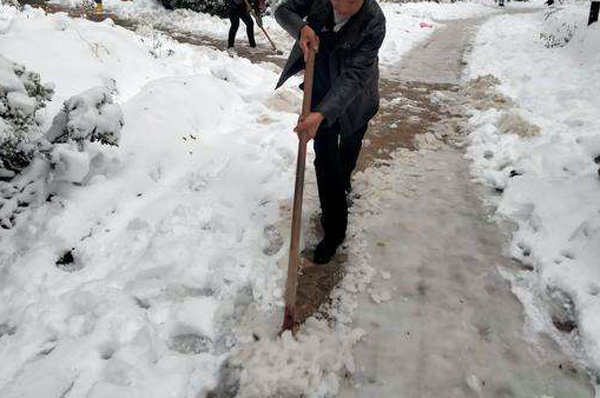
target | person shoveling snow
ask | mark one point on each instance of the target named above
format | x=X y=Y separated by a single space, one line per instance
x=347 y=35
x=240 y=9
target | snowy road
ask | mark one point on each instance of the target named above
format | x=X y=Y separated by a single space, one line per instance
x=449 y=325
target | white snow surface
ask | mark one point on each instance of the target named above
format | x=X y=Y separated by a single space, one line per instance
x=407 y=23
x=166 y=230
x=174 y=260
x=555 y=198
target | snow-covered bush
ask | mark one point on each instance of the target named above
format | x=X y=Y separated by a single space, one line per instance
x=29 y=160
x=560 y=26
x=88 y=117
x=214 y=7
x=160 y=45
x=22 y=95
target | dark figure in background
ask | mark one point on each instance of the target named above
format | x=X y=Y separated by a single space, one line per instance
x=239 y=9
x=348 y=35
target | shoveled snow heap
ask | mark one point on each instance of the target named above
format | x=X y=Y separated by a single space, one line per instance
x=540 y=150
x=31 y=162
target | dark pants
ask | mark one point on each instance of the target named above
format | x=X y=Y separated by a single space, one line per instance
x=336 y=153
x=237 y=12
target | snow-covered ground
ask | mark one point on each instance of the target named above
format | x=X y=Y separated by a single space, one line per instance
x=167 y=231
x=407 y=23
x=538 y=147
x=173 y=238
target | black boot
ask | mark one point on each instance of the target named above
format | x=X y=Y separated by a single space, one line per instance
x=324 y=252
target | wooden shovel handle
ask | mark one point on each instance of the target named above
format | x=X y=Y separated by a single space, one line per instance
x=289 y=317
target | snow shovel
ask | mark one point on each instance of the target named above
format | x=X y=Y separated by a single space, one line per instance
x=289 y=316
x=261 y=27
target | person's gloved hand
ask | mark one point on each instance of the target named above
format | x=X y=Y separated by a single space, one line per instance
x=259 y=21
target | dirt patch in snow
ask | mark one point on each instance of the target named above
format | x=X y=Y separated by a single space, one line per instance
x=513 y=123
x=481 y=94
x=406 y=112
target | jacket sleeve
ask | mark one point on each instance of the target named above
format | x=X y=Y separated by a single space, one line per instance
x=351 y=82
x=290 y=15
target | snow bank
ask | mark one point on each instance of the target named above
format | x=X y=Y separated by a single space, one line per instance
x=76 y=55
x=448 y=11
x=30 y=161
x=548 y=177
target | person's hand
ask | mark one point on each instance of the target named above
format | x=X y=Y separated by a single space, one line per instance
x=259 y=20
x=308 y=39
x=309 y=125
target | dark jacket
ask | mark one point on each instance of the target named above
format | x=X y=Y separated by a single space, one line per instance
x=353 y=64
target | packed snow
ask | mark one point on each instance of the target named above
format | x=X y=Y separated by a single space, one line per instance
x=536 y=144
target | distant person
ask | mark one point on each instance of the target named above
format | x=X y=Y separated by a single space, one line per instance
x=501 y=3
x=98 y=10
x=240 y=9
x=348 y=34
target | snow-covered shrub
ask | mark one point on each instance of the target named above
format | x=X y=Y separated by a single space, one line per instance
x=560 y=26
x=160 y=45
x=31 y=161
x=88 y=117
x=28 y=188
x=214 y=7
x=22 y=95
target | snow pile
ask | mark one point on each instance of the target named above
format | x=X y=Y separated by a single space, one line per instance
x=538 y=148
x=88 y=117
x=7 y=13
x=444 y=11
x=561 y=24
x=30 y=161
x=309 y=366
x=313 y=364
x=108 y=56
